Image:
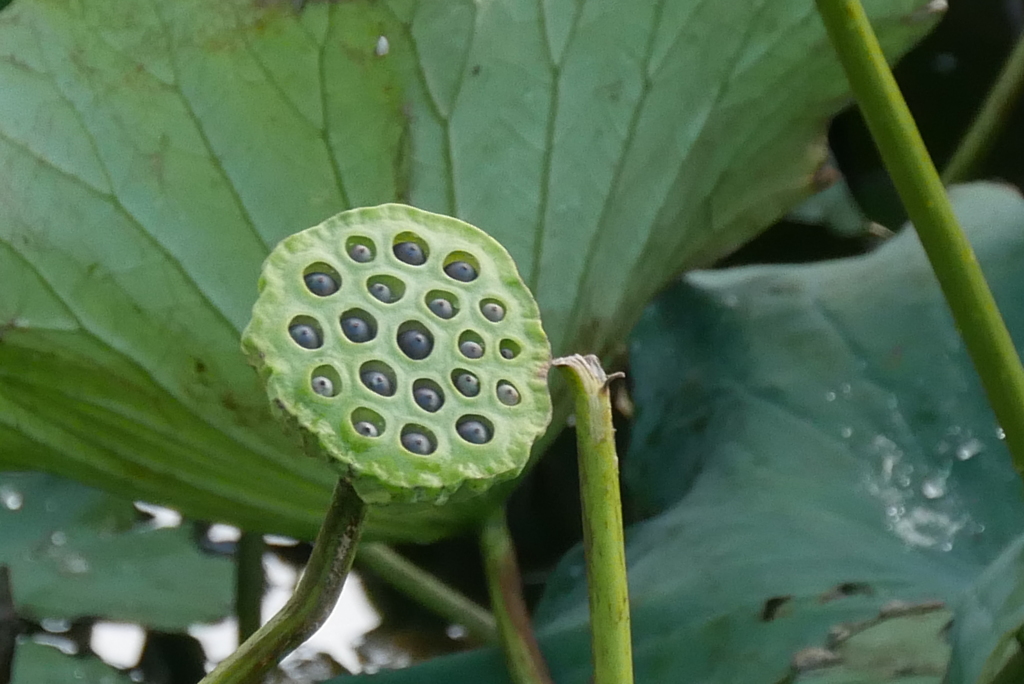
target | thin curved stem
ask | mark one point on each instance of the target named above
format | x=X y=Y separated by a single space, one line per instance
x=971 y=302
x=427 y=590
x=522 y=654
x=250 y=582
x=314 y=597
x=990 y=120
x=603 y=540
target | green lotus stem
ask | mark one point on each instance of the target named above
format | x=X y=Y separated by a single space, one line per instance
x=522 y=654
x=314 y=597
x=249 y=583
x=602 y=520
x=428 y=591
x=974 y=309
x=990 y=120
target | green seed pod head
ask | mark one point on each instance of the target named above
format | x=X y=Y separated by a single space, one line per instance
x=377 y=380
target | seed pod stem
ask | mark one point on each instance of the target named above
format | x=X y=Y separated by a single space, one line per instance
x=603 y=544
x=526 y=663
x=314 y=598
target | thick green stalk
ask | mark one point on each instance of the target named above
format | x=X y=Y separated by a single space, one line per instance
x=250 y=581
x=522 y=654
x=314 y=598
x=974 y=309
x=602 y=520
x=991 y=118
x=428 y=591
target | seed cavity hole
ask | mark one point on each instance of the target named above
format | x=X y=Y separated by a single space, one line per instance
x=325 y=381
x=471 y=345
x=411 y=249
x=415 y=340
x=306 y=332
x=418 y=440
x=358 y=326
x=507 y=393
x=361 y=249
x=427 y=395
x=462 y=266
x=475 y=429
x=442 y=304
x=465 y=382
x=509 y=349
x=378 y=377
x=385 y=288
x=321 y=279
x=368 y=423
x=493 y=310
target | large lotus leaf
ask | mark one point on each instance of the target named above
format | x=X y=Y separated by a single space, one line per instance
x=154 y=151
x=38 y=664
x=989 y=619
x=824 y=475
x=75 y=551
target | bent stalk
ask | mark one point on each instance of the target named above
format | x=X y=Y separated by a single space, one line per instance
x=314 y=598
x=525 y=662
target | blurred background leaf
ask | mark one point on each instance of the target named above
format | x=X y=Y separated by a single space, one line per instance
x=154 y=152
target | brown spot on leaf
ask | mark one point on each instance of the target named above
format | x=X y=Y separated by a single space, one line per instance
x=773 y=606
x=846 y=589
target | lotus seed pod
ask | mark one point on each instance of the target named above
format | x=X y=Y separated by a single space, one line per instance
x=384 y=371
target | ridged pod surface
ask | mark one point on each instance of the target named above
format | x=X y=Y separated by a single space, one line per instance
x=361 y=374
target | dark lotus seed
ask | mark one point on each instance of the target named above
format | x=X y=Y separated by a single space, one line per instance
x=474 y=432
x=360 y=253
x=321 y=284
x=323 y=386
x=381 y=292
x=356 y=329
x=417 y=443
x=305 y=336
x=507 y=353
x=493 y=311
x=461 y=270
x=468 y=384
x=442 y=308
x=410 y=253
x=366 y=428
x=507 y=394
x=377 y=382
x=471 y=349
x=427 y=398
x=415 y=344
